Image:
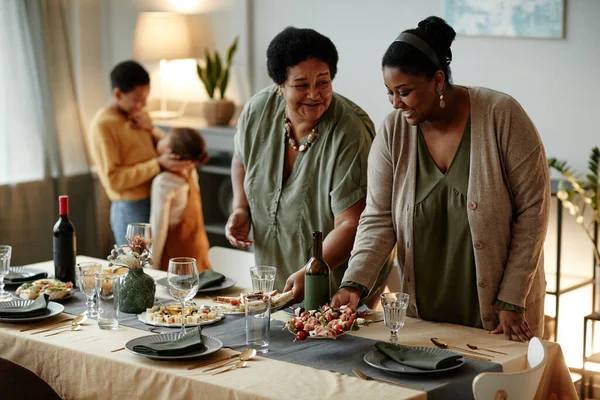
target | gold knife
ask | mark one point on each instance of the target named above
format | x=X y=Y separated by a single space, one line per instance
x=203 y=364
x=46 y=324
x=51 y=329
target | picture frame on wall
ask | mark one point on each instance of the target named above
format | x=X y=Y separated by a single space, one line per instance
x=542 y=19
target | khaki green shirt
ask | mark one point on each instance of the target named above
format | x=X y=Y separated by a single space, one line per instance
x=445 y=274
x=325 y=180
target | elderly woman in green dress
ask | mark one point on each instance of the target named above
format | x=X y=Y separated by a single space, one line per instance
x=458 y=179
x=300 y=162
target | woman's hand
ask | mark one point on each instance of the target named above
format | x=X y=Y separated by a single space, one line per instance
x=171 y=162
x=514 y=326
x=141 y=121
x=346 y=296
x=238 y=229
x=295 y=283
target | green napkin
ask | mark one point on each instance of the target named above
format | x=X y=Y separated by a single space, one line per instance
x=417 y=358
x=210 y=278
x=26 y=276
x=192 y=341
x=37 y=307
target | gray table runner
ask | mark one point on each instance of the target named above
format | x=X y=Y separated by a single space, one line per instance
x=340 y=355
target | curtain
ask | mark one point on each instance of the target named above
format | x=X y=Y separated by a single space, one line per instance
x=42 y=139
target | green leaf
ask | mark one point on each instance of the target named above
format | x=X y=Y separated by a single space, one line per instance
x=210 y=81
x=218 y=69
x=223 y=83
x=231 y=51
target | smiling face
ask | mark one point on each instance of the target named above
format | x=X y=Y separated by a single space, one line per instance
x=415 y=95
x=307 y=90
x=134 y=101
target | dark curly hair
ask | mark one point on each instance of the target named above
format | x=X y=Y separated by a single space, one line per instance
x=292 y=46
x=188 y=144
x=128 y=75
x=410 y=60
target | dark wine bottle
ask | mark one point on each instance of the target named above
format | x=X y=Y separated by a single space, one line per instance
x=64 y=244
x=316 y=277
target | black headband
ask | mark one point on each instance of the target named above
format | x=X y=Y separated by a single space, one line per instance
x=420 y=45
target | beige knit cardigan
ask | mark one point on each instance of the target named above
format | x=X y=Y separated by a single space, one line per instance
x=507 y=206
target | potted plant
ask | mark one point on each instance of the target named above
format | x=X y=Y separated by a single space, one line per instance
x=215 y=77
x=137 y=289
x=582 y=200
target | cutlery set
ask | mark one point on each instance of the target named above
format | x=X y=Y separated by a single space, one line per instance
x=240 y=360
x=62 y=325
x=470 y=352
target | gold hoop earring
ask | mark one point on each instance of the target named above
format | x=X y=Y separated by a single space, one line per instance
x=442 y=102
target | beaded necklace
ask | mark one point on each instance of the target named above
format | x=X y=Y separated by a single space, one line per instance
x=291 y=141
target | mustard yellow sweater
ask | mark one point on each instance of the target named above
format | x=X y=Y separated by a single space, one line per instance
x=125 y=158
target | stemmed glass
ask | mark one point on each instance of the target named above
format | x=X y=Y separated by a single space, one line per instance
x=394 y=312
x=183 y=282
x=86 y=280
x=5 y=253
x=141 y=230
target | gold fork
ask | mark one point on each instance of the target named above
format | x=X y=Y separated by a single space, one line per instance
x=362 y=375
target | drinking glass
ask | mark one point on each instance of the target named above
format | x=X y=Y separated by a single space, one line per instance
x=394 y=312
x=258 y=321
x=86 y=273
x=5 y=253
x=183 y=282
x=263 y=278
x=139 y=230
x=107 y=289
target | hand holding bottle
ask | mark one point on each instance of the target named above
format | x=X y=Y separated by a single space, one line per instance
x=295 y=283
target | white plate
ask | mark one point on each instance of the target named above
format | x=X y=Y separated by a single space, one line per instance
x=226 y=284
x=25 y=270
x=381 y=361
x=53 y=307
x=212 y=345
x=320 y=337
x=142 y=317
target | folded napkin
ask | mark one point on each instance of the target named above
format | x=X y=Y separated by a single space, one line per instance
x=210 y=278
x=417 y=358
x=25 y=276
x=37 y=307
x=188 y=343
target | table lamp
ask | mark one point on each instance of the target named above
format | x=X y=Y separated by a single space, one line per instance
x=162 y=36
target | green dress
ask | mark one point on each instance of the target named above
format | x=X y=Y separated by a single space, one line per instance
x=445 y=275
x=325 y=180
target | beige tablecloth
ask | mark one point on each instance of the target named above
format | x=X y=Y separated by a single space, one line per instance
x=80 y=365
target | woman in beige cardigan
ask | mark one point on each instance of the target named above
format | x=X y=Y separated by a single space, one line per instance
x=457 y=179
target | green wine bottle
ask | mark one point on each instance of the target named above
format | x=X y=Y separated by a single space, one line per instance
x=316 y=277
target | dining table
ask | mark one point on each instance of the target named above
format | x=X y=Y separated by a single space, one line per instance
x=91 y=363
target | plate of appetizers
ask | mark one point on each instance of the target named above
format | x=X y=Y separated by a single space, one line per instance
x=235 y=305
x=170 y=315
x=326 y=323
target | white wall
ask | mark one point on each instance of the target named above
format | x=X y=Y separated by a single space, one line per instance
x=554 y=80
x=226 y=19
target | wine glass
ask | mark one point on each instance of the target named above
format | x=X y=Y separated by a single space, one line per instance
x=183 y=282
x=5 y=253
x=394 y=312
x=141 y=230
x=86 y=280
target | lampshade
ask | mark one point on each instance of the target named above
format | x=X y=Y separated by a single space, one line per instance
x=162 y=36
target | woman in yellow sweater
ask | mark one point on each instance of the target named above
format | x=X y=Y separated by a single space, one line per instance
x=123 y=146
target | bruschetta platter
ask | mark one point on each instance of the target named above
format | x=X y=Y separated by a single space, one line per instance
x=170 y=315
x=236 y=305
